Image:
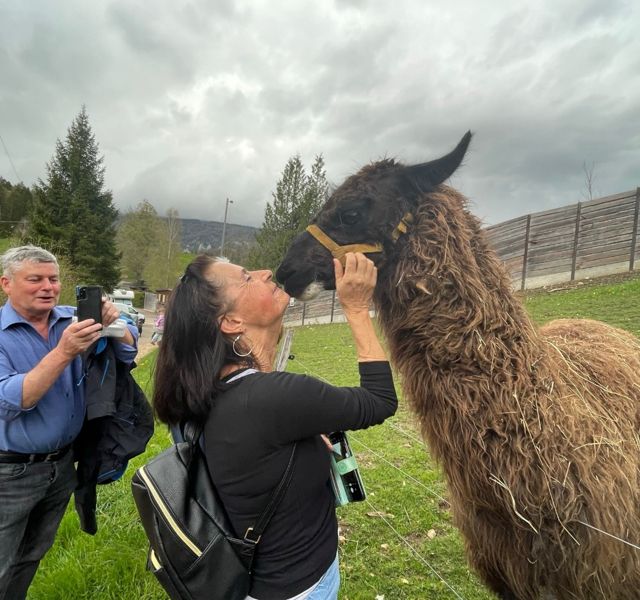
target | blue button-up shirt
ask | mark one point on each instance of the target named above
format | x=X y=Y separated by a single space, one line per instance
x=57 y=417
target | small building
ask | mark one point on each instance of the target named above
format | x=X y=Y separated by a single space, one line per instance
x=162 y=295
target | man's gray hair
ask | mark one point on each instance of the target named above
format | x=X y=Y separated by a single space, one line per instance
x=14 y=257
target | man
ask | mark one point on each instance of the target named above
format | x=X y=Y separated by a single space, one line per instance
x=42 y=408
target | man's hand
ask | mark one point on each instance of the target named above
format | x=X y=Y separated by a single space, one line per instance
x=78 y=337
x=109 y=313
x=75 y=339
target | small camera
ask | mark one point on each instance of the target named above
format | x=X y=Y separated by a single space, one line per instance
x=345 y=479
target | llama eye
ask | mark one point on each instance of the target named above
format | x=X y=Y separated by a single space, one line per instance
x=350 y=217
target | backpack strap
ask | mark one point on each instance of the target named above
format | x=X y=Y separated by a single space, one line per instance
x=192 y=433
x=253 y=534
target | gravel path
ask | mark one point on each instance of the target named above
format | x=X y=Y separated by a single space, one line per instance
x=144 y=341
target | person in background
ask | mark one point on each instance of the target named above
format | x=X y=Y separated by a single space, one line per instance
x=42 y=408
x=215 y=367
x=158 y=327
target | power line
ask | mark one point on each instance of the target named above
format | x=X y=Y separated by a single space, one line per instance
x=10 y=161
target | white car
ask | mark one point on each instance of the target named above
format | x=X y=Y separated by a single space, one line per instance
x=131 y=313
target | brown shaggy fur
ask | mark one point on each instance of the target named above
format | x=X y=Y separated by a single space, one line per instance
x=537 y=431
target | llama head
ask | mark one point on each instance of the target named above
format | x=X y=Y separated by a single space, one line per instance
x=366 y=213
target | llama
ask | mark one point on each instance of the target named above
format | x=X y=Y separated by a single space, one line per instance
x=537 y=430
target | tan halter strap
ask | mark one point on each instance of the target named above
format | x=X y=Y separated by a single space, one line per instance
x=402 y=227
x=339 y=252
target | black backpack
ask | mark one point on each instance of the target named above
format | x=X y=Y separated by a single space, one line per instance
x=193 y=551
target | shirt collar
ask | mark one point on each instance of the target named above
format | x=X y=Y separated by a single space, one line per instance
x=9 y=316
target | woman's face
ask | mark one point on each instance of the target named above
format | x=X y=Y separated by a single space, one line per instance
x=253 y=295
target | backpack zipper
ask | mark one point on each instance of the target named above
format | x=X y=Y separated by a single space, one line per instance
x=167 y=514
x=155 y=563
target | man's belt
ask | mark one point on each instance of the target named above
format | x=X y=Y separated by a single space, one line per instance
x=17 y=457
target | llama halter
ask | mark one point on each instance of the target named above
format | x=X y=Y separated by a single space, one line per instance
x=339 y=252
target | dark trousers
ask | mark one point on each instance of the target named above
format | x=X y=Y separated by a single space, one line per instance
x=33 y=499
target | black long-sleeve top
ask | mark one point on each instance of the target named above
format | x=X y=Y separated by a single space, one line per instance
x=248 y=440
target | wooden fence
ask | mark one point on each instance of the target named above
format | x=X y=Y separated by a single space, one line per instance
x=587 y=239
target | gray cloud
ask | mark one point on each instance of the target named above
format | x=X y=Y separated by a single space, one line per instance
x=193 y=102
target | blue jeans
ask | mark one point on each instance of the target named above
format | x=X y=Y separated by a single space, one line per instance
x=326 y=589
x=33 y=499
x=329 y=584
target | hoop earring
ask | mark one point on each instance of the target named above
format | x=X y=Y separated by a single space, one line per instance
x=235 y=351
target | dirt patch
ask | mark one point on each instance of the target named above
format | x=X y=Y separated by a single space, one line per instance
x=144 y=347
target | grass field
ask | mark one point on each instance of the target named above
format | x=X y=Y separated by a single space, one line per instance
x=406 y=504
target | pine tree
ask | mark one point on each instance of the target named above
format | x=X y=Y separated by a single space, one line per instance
x=72 y=213
x=317 y=191
x=15 y=203
x=297 y=199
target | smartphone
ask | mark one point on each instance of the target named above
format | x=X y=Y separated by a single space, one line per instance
x=89 y=302
x=345 y=478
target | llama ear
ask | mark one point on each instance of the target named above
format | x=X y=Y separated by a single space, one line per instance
x=426 y=176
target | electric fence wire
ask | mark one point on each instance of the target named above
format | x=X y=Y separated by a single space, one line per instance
x=404 y=473
x=409 y=477
x=387 y=422
x=10 y=161
x=417 y=554
x=406 y=433
x=355 y=438
x=622 y=540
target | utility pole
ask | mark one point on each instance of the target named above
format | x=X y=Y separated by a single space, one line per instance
x=224 y=225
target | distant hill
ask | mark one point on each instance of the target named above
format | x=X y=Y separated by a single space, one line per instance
x=200 y=235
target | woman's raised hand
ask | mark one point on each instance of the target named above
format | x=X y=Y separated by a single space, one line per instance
x=355 y=282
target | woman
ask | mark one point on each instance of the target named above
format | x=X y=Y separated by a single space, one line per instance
x=215 y=362
x=158 y=327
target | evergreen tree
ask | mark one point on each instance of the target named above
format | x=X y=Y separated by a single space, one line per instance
x=317 y=191
x=15 y=204
x=72 y=211
x=297 y=199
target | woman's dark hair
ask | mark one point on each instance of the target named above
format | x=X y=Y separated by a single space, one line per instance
x=193 y=349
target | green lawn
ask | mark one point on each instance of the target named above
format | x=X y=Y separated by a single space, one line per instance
x=406 y=504
x=5 y=244
x=617 y=304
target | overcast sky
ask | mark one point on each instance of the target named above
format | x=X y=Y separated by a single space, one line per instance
x=193 y=102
